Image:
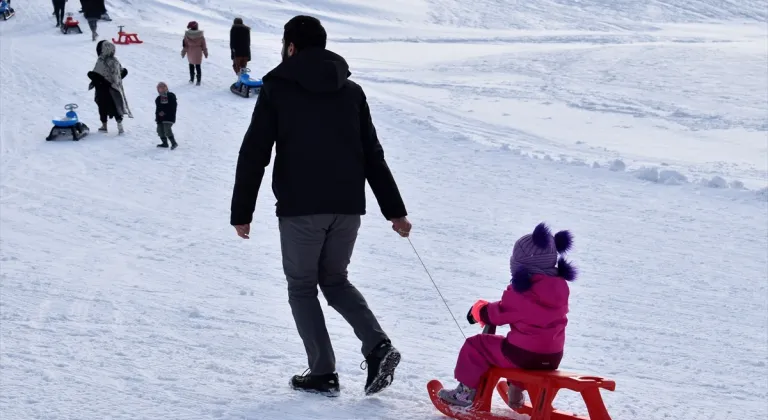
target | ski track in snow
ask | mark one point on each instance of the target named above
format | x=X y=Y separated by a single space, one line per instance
x=124 y=294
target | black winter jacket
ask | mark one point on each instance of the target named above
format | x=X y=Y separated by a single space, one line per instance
x=93 y=9
x=240 y=41
x=325 y=143
x=167 y=105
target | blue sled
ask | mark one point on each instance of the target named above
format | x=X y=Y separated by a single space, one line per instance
x=69 y=125
x=244 y=85
x=6 y=11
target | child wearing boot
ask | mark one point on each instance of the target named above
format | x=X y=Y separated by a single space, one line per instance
x=194 y=48
x=165 y=115
x=534 y=305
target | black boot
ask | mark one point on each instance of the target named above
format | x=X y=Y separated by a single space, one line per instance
x=327 y=384
x=381 y=364
x=173 y=143
x=191 y=73
x=164 y=142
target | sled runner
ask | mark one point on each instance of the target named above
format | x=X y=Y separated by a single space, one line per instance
x=70 y=25
x=542 y=387
x=245 y=85
x=6 y=11
x=69 y=125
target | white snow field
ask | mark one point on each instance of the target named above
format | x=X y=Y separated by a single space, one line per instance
x=642 y=126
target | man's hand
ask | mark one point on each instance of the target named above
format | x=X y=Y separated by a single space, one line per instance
x=402 y=226
x=243 y=231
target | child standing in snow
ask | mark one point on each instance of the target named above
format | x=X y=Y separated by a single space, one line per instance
x=534 y=305
x=165 y=115
x=194 y=47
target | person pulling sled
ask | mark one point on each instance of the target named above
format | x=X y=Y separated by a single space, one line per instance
x=107 y=78
x=93 y=10
x=240 y=45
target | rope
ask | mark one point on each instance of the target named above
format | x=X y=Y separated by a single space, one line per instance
x=436 y=288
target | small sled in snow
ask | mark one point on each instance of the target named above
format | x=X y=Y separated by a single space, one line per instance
x=245 y=86
x=125 y=38
x=69 y=125
x=542 y=387
x=6 y=11
x=70 y=25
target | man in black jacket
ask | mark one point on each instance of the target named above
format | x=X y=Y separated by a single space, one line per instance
x=240 y=45
x=326 y=149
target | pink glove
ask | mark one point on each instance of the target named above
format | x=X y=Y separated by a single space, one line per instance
x=476 y=311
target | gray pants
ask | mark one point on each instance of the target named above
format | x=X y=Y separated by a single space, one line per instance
x=316 y=252
x=164 y=130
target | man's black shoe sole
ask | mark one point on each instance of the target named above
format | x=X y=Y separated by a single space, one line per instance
x=386 y=372
x=331 y=393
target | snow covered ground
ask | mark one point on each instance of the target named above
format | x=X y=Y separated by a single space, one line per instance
x=640 y=126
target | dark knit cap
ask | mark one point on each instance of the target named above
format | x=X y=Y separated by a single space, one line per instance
x=304 y=32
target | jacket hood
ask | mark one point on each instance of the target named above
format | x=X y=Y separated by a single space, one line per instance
x=550 y=291
x=315 y=69
x=193 y=33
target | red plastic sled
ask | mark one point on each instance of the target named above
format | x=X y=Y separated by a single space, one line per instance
x=542 y=387
x=124 y=38
x=70 y=24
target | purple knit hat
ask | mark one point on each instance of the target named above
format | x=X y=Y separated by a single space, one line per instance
x=538 y=253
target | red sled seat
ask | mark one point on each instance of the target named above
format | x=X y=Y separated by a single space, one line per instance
x=542 y=387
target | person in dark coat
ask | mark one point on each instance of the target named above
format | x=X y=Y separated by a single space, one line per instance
x=106 y=79
x=165 y=115
x=326 y=149
x=93 y=10
x=240 y=45
x=58 y=11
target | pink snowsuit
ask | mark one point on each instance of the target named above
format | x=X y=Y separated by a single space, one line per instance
x=537 y=320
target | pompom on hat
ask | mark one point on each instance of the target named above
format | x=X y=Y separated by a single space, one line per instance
x=539 y=253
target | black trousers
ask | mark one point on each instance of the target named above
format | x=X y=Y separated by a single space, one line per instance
x=58 y=10
x=104 y=115
x=192 y=68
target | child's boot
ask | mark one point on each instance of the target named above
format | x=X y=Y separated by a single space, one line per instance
x=173 y=143
x=164 y=142
x=515 y=396
x=120 y=128
x=462 y=396
x=103 y=128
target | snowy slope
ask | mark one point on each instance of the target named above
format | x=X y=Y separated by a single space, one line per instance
x=125 y=293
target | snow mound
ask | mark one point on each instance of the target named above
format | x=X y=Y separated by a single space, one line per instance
x=665 y=176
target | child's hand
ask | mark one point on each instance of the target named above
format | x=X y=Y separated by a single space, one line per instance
x=475 y=311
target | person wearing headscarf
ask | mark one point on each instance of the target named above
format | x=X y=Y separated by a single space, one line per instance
x=107 y=80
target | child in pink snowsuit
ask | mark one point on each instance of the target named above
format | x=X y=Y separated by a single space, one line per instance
x=534 y=305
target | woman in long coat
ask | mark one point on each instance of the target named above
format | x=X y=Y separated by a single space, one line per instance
x=194 y=47
x=107 y=78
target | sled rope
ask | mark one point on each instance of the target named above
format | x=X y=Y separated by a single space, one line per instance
x=436 y=288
